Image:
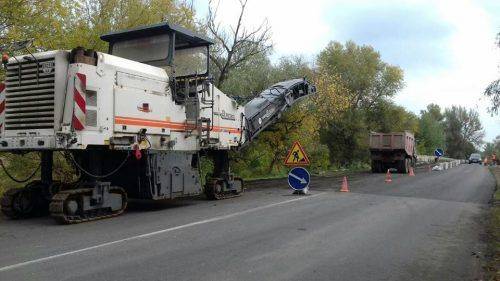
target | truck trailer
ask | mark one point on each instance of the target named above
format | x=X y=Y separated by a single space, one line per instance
x=392 y=150
x=133 y=122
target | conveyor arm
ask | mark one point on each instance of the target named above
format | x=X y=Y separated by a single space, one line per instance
x=264 y=110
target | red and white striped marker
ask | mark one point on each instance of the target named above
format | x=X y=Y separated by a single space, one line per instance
x=2 y=105
x=80 y=107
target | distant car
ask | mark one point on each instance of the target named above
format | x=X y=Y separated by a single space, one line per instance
x=475 y=158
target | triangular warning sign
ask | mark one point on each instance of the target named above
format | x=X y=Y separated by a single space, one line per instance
x=296 y=156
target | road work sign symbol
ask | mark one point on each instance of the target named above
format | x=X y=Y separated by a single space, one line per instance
x=296 y=156
x=438 y=152
x=299 y=178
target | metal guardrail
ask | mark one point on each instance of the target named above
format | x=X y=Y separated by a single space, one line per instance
x=444 y=163
x=431 y=159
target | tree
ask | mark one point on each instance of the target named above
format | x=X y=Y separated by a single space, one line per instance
x=250 y=78
x=27 y=19
x=463 y=130
x=66 y=24
x=291 y=67
x=236 y=45
x=258 y=73
x=493 y=93
x=387 y=117
x=431 y=133
x=346 y=138
x=91 y=18
x=493 y=90
x=367 y=84
x=362 y=71
x=330 y=101
x=434 y=111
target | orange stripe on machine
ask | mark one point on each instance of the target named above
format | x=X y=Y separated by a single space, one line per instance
x=168 y=124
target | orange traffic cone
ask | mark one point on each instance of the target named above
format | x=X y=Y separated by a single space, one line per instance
x=412 y=174
x=388 y=176
x=345 y=186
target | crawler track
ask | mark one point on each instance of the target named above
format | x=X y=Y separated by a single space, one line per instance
x=59 y=210
x=214 y=191
x=29 y=201
x=7 y=203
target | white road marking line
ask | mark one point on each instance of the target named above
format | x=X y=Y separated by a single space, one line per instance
x=147 y=235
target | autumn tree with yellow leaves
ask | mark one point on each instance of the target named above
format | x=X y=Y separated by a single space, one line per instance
x=66 y=24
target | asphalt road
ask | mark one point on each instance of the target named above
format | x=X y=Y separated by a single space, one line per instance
x=426 y=227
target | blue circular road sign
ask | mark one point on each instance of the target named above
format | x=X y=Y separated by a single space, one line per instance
x=438 y=152
x=299 y=178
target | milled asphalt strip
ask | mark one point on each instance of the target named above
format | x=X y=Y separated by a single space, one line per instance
x=147 y=235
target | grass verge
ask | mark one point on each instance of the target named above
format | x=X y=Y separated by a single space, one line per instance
x=327 y=173
x=492 y=267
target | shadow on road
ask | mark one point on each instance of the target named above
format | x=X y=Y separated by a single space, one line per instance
x=153 y=206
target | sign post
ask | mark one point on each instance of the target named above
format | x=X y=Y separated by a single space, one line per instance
x=298 y=178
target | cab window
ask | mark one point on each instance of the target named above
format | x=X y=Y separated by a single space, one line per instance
x=191 y=61
x=146 y=49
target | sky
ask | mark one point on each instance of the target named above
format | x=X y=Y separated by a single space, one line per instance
x=446 y=48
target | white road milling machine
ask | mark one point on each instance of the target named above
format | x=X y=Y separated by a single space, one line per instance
x=133 y=123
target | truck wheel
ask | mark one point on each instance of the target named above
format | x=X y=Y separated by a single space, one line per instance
x=380 y=167
x=401 y=166
x=377 y=166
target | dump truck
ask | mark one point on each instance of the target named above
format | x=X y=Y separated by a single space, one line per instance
x=133 y=122
x=392 y=150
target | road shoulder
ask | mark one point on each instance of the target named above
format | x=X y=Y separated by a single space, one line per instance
x=492 y=263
